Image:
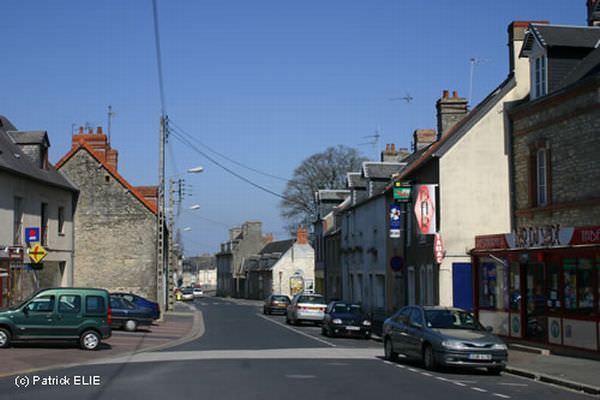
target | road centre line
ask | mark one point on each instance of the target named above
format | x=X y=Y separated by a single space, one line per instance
x=478 y=389
x=501 y=395
x=295 y=330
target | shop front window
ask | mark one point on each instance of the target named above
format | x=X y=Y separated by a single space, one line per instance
x=553 y=287
x=570 y=285
x=515 y=287
x=585 y=292
x=493 y=286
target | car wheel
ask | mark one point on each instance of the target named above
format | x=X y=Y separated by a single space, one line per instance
x=429 y=358
x=495 y=370
x=4 y=338
x=130 y=325
x=89 y=340
x=390 y=354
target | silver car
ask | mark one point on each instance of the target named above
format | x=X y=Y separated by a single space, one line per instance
x=306 y=307
x=443 y=336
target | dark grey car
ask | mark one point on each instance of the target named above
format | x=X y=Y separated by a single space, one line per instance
x=443 y=336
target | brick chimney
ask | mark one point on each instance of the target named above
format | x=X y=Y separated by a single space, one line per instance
x=391 y=154
x=423 y=138
x=268 y=238
x=302 y=235
x=516 y=34
x=99 y=143
x=450 y=110
x=593 y=12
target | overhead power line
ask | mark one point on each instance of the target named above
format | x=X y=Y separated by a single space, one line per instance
x=239 y=164
x=187 y=142
x=158 y=59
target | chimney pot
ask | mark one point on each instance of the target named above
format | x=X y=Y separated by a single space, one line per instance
x=455 y=94
x=81 y=130
x=445 y=94
x=393 y=147
x=99 y=130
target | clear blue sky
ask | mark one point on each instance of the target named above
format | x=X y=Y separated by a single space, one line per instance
x=267 y=82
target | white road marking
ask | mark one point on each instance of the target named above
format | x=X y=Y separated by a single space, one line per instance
x=459 y=383
x=321 y=353
x=413 y=370
x=513 y=384
x=400 y=366
x=388 y=362
x=501 y=395
x=300 y=376
x=442 y=379
x=479 y=389
x=295 y=330
x=426 y=374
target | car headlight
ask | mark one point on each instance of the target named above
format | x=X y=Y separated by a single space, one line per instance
x=499 y=346
x=454 y=345
x=336 y=321
x=366 y=323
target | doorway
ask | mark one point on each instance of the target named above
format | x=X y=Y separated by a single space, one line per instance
x=535 y=302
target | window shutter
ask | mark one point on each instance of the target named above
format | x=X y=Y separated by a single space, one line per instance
x=548 y=177
x=532 y=179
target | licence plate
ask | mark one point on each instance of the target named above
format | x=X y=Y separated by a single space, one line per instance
x=480 y=356
x=352 y=328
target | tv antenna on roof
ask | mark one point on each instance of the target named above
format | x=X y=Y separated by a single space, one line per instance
x=473 y=61
x=111 y=114
x=375 y=139
x=407 y=98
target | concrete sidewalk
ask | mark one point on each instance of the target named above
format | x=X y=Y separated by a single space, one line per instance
x=177 y=327
x=576 y=373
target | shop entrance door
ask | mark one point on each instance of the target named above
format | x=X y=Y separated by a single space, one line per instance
x=535 y=303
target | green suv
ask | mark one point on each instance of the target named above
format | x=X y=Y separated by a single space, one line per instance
x=64 y=313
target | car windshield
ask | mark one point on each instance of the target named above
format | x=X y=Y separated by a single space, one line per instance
x=451 y=319
x=281 y=298
x=347 y=308
x=311 y=299
x=187 y=290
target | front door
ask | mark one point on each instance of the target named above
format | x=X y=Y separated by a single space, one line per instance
x=462 y=286
x=535 y=302
x=37 y=317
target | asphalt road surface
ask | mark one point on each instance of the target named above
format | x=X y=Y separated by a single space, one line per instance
x=246 y=355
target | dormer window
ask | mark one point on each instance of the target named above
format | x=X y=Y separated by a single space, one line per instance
x=540 y=83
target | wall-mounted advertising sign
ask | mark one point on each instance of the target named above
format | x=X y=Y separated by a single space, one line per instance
x=395 y=221
x=401 y=191
x=425 y=209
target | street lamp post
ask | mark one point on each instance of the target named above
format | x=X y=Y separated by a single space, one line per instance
x=172 y=253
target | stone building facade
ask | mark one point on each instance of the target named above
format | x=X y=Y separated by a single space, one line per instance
x=32 y=195
x=115 y=225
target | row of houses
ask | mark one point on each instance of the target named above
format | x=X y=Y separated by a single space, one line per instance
x=503 y=215
x=252 y=265
x=75 y=223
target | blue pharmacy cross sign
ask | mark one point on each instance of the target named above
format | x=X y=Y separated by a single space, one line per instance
x=32 y=235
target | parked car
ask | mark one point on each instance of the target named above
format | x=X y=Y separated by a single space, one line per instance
x=276 y=303
x=82 y=314
x=197 y=291
x=140 y=301
x=306 y=307
x=348 y=319
x=187 y=293
x=127 y=315
x=443 y=336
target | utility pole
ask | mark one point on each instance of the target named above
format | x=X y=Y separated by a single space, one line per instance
x=172 y=264
x=160 y=221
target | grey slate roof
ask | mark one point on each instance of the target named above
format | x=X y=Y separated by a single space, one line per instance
x=561 y=36
x=329 y=195
x=13 y=160
x=280 y=246
x=588 y=66
x=355 y=180
x=381 y=170
x=29 y=137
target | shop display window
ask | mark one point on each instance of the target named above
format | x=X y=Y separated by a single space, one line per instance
x=570 y=283
x=493 y=289
x=585 y=293
x=515 y=287
x=553 y=287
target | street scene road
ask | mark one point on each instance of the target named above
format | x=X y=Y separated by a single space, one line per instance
x=243 y=354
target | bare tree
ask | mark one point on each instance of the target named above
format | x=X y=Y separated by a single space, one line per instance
x=325 y=170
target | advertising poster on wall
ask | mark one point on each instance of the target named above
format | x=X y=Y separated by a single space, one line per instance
x=395 y=221
x=425 y=209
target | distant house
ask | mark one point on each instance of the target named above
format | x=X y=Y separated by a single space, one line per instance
x=115 y=223
x=243 y=242
x=282 y=267
x=32 y=195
